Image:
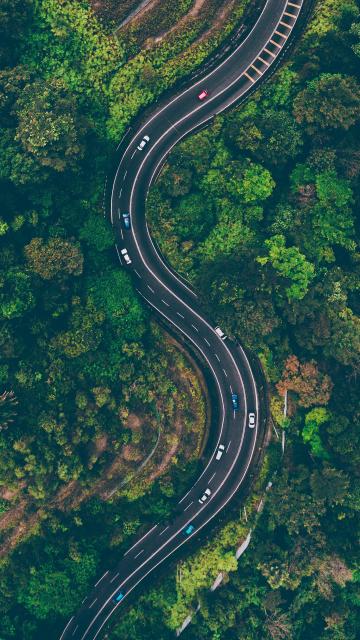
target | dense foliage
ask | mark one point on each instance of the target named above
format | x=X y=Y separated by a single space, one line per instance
x=89 y=388
x=260 y=212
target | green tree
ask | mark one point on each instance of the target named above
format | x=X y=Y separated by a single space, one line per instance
x=50 y=127
x=331 y=101
x=113 y=294
x=16 y=295
x=276 y=138
x=85 y=331
x=53 y=258
x=328 y=483
x=310 y=433
x=14 y=15
x=289 y=263
x=97 y=233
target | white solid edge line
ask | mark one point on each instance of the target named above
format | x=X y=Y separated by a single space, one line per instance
x=168 y=151
x=143 y=538
x=175 y=534
x=256 y=395
x=213 y=96
x=185 y=540
x=68 y=624
x=172 y=293
x=181 y=543
x=185 y=92
x=173 y=274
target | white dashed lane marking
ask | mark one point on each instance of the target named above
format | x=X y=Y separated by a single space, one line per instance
x=102 y=577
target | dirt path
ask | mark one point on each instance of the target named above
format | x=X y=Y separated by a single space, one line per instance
x=192 y=13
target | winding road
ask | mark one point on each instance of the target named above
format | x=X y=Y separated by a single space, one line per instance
x=178 y=305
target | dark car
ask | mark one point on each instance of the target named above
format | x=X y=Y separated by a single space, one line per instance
x=126 y=220
x=235 y=401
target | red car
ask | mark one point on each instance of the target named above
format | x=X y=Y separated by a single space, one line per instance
x=204 y=94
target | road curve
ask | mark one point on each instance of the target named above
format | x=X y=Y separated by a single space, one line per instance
x=178 y=305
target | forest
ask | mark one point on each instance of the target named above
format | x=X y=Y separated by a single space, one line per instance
x=260 y=212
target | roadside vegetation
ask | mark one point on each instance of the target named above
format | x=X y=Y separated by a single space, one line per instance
x=260 y=212
x=101 y=417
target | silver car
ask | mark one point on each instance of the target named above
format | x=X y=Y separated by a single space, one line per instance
x=205 y=496
x=126 y=256
x=220 y=451
x=252 y=420
x=220 y=333
x=143 y=143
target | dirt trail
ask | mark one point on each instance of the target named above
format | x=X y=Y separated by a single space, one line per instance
x=192 y=13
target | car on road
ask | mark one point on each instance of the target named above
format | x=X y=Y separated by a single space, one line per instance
x=143 y=143
x=189 y=529
x=203 y=94
x=235 y=401
x=118 y=597
x=205 y=496
x=126 y=256
x=251 y=420
x=220 y=451
x=220 y=333
x=126 y=219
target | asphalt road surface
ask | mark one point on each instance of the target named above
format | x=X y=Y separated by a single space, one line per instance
x=178 y=305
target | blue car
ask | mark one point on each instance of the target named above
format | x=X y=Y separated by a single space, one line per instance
x=235 y=401
x=119 y=596
x=189 y=529
x=126 y=220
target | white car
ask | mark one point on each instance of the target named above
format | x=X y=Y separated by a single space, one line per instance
x=126 y=256
x=205 y=496
x=251 y=420
x=143 y=143
x=220 y=451
x=220 y=333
